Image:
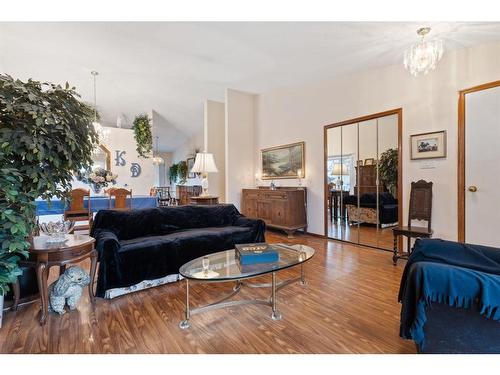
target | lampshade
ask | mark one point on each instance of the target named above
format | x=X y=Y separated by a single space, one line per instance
x=204 y=163
x=339 y=170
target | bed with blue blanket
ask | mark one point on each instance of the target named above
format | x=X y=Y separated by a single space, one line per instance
x=450 y=295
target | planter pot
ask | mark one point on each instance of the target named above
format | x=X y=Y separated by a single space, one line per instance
x=1 y=309
x=96 y=188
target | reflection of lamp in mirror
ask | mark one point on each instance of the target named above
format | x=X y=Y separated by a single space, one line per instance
x=204 y=164
x=338 y=171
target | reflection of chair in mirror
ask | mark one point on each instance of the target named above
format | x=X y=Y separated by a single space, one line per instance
x=77 y=210
x=420 y=209
x=118 y=199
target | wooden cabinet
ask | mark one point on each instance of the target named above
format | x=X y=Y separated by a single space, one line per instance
x=367 y=179
x=283 y=208
x=183 y=193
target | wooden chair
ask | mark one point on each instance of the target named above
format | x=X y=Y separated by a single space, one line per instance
x=77 y=211
x=120 y=199
x=420 y=209
x=164 y=196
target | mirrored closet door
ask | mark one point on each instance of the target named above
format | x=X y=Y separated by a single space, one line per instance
x=362 y=177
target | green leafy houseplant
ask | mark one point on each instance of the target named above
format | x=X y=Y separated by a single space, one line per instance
x=172 y=173
x=46 y=136
x=182 y=171
x=388 y=169
x=143 y=136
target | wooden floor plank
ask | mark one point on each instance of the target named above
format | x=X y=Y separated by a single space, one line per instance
x=349 y=305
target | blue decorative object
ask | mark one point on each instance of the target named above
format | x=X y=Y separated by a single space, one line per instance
x=256 y=253
x=135 y=170
x=119 y=159
x=56 y=206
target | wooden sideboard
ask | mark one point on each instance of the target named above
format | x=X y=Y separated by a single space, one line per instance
x=183 y=193
x=283 y=208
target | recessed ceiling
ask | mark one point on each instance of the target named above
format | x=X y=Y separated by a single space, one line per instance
x=172 y=67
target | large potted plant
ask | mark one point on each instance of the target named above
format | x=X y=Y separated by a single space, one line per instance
x=388 y=170
x=46 y=136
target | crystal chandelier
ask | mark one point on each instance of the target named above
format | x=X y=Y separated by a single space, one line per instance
x=157 y=159
x=423 y=56
x=102 y=133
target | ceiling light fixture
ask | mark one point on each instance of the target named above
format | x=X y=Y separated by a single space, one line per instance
x=157 y=159
x=101 y=132
x=423 y=56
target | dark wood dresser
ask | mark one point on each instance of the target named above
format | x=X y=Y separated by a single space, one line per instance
x=367 y=178
x=183 y=193
x=283 y=208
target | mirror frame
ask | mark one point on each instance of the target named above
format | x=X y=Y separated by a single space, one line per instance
x=397 y=111
x=108 y=156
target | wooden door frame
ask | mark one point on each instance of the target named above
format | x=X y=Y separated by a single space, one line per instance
x=461 y=154
x=397 y=111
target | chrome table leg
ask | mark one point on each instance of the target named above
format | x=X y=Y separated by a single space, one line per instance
x=185 y=323
x=275 y=315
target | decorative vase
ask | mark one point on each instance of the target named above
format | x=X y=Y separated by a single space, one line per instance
x=96 y=188
x=1 y=309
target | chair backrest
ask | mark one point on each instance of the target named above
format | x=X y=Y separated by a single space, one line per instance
x=197 y=189
x=420 y=202
x=120 y=198
x=77 y=200
x=109 y=190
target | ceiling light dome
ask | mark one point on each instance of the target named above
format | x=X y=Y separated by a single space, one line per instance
x=422 y=57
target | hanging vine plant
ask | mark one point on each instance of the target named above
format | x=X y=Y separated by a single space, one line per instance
x=182 y=171
x=143 y=136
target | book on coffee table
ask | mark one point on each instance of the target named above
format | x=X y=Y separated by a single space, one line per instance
x=253 y=253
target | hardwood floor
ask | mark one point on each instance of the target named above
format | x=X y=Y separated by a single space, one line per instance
x=365 y=234
x=349 y=305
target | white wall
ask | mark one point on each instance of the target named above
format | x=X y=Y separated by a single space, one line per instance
x=429 y=103
x=214 y=127
x=187 y=150
x=123 y=140
x=239 y=140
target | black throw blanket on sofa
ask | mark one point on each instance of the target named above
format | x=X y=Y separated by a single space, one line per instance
x=152 y=243
x=456 y=274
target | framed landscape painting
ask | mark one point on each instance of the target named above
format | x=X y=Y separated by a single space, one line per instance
x=190 y=164
x=428 y=145
x=283 y=161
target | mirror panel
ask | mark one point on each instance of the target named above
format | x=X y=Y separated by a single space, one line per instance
x=362 y=168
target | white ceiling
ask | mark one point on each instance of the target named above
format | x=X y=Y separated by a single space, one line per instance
x=172 y=68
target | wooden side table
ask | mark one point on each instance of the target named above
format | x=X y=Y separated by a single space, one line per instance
x=204 y=200
x=43 y=255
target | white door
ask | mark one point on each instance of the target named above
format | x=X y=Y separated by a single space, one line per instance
x=482 y=167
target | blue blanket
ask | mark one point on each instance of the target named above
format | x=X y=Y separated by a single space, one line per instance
x=456 y=274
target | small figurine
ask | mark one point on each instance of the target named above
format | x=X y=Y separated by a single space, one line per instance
x=67 y=289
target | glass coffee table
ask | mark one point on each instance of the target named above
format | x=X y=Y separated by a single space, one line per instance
x=224 y=267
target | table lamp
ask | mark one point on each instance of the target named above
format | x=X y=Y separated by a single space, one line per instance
x=339 y=170
x=204 y=164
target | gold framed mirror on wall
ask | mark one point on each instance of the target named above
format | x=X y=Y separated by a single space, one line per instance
x=102 y=158
x=363 y=179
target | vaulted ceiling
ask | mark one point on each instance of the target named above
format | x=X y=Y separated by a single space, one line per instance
x=172 y=67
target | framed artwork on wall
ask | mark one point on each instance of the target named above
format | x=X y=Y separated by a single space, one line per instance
x=287 y=161
x=370 y=161
x=190 y=163
x=428 y=145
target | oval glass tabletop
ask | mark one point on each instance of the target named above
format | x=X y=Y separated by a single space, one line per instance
x=224 y=265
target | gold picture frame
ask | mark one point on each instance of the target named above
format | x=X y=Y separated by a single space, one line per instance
x=430 y=145
x=283 y=162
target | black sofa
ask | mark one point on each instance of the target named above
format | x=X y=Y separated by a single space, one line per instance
x=150 y=244
x=450 y=295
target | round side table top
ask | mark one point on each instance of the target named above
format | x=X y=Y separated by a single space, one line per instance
x=39 y=243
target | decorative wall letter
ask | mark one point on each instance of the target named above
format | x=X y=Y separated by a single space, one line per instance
x=135 y=170
x=120 y=160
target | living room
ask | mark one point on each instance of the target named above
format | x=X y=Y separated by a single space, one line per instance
x=321 y=187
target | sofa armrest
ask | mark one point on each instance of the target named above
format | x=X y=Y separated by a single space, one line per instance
x=258 y=227
x=106 y=242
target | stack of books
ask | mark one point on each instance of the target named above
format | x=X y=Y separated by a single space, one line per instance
x=254 y=253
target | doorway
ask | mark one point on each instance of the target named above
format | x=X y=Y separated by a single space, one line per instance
x=363 y=179
x=478 y=164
